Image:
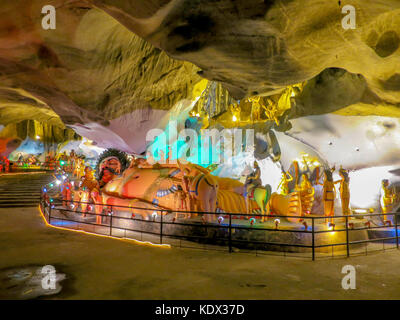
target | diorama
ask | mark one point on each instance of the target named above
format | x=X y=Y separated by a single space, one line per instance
x=241 y=126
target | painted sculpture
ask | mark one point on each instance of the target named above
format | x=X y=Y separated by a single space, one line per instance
x=284 y=183
x=306 y=191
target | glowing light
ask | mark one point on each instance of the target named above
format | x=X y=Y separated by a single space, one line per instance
x=234 y=119
x=44 y=190
x=72 y=206
x=360 y=210
x=64 y=177
x=37 y=137
x=143 y=243
x=220 y=220
x=58 y=182
x=277 y=222
x=365 y=186
x=51 y=185
x=252 y=221
x=154 y=215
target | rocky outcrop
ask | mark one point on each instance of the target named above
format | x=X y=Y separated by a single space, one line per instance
x=112 y=69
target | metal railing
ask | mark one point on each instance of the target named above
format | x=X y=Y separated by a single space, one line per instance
x=309 y=233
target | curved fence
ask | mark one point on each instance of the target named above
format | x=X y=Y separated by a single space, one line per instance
x=307 y=237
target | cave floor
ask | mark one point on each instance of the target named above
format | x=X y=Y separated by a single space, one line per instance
x=104 y=268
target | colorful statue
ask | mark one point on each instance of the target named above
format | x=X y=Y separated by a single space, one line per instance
x=344 y=191
x=180 y=202
x=66 y=192
x=284 y=183
x=388 y=197
x=328 y=194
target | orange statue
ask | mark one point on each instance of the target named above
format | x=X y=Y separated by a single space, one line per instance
x=284 y=183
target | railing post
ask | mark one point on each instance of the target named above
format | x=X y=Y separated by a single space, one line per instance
x=313 y=238
x=161 y=227
x=111 y=217
x=397 y=233
x=347 y=236
x=49 y=212
x=230 y=233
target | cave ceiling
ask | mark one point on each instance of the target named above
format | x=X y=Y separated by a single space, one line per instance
x=113 y=68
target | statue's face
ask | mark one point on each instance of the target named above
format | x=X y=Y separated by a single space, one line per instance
x=111 y=162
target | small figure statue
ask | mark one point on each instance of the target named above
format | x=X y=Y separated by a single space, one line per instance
x=6 y=163
x=388 y=197
x=66 y=192
x=253 y=181
x=284 y=183
x=344 y=190
x=328 y=194
x=180 y=199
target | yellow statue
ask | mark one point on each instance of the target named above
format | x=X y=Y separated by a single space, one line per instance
x=284 y=183
x=328 y=196
x=235 y=109
x=255 y=108
x=306 y=191
x=344 y=191
x=388 y=197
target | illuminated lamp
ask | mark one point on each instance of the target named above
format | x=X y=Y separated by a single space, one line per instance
x=62 y=162
x=90 y=207
x=51 y=200
x=234 y=119
x=51 y=185
x=72 y=206
x=220 y=220
x=252 y=221
x=277 y=222
x=154 y=215
x=44 y=190
x=37 y=137
x=58 y=182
